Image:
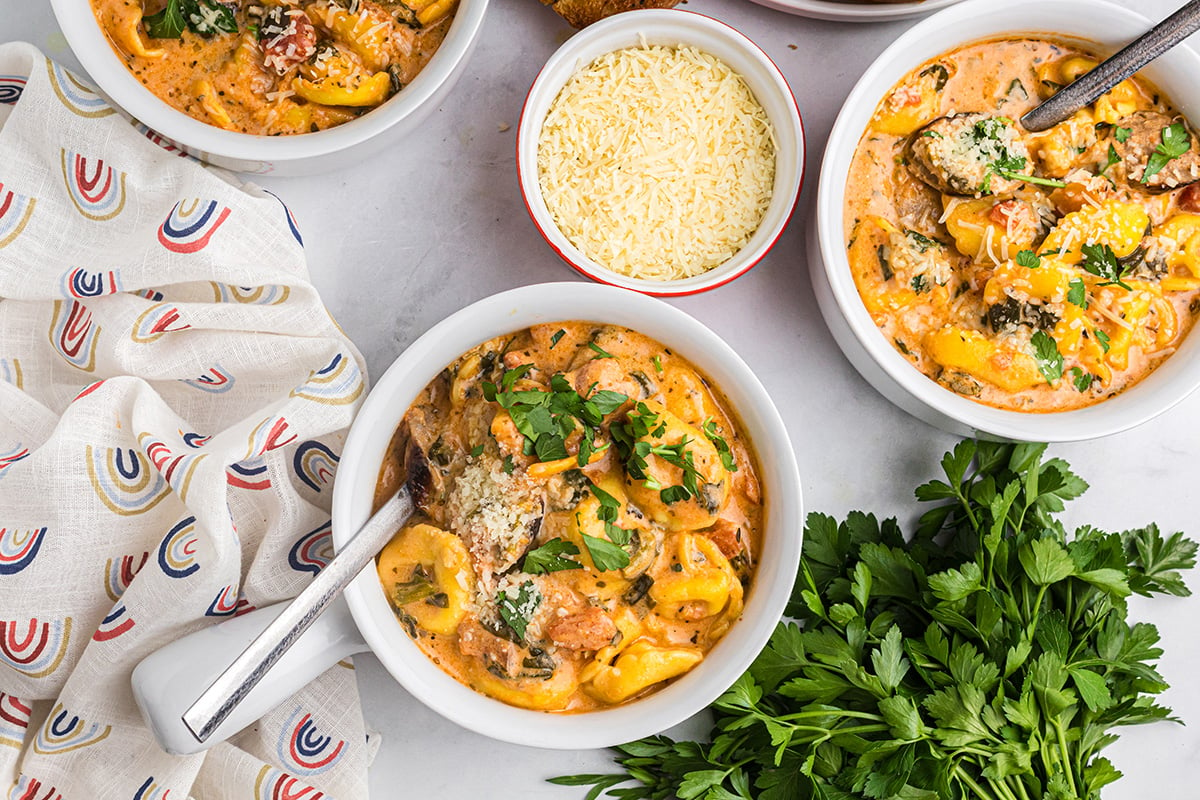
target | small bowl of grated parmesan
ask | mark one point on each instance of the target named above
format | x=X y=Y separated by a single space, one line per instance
x=661 y=151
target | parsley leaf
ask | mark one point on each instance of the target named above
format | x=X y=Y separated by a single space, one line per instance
x=477 y=451
x=517 y=611
x=658 y=367
x=1028 y=259
x=508 y=465
x=1077 y=292
x=1103 y=339
x=1113 y=158
x=600 y=350
x=557 y=337
x=920 y=284
x=1045 y=352
x=1101 y=261
x=1081 y=379
x=551 y=557
x=1122 y=134
x=988 y=656
x=710 y=431
x=166 y=24
x=605 y=555
x=209 y=17
x=1174 y=142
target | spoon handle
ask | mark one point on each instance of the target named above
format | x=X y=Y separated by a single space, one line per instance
x=219 y=699
x=1137 y=54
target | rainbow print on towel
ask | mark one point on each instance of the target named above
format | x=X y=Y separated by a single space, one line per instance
x=215 y=380
x=10 y=372
x=338 y=383
x=124 y=479
x=269 y=435
x=249 y=474
x=178 y=470
x=82 y=283
x=177 y=552
x=271 y=295
x=64 y=732
x=275 y=784
x=313 y=551
x=96 y=189
x=314 y=464
x=18 y=548
x=34 y=648
x=291 y=220
x=77 y=96
x=73 y=334
x=303 y=748
x=191 y=224
x=14 y=720
x=117 y=622
x=156 y=322
x=224 y=604
x=27 y=788
x=11 y=87
x=150 y=790
x=120 y=572
x=162 y=141
x=15 y=211
x=14 y=454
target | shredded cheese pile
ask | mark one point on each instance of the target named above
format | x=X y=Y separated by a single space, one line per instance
x=657 y=162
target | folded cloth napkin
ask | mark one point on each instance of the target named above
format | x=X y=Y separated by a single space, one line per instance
x=173 y=398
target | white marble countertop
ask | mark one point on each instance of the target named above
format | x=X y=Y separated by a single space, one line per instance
x=439 y=223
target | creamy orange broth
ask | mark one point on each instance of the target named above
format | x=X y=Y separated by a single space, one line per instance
x=598 y=633
x=291 y=67
x=936 y=246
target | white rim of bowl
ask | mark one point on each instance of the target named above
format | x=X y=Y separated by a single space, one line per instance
x=856 y=12
x=574 y=257
x=96 y=54
x=1089 y=422
x=358 y=471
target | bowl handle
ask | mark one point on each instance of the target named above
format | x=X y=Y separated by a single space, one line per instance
x=169 y=680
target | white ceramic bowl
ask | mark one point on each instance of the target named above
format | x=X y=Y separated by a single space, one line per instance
x=302 y=154
x=1102 y=23
x=670 y=27
x=511 y=311
x=857 y=12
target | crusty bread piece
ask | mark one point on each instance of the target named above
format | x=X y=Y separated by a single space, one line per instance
x=582 y=13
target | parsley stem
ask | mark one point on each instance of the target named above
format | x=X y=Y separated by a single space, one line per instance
x=1066 y=759
x=833 y=712
x=1001 y=788
x=979 y=791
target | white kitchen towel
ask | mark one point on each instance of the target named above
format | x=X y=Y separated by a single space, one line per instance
x=173 y=399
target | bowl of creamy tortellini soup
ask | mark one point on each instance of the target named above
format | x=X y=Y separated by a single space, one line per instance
x=1038 y=286
x=609 y=518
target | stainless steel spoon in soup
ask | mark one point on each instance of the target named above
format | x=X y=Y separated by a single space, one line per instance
x=216 y=703
x=1137 y=54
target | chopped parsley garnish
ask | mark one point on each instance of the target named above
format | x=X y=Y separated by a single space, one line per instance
x=1101 y=261
x=658 y=367
x=551 y=557
x=608 y=554
x=1081 y=379
x=920 y=284
x=940 y=73
x=608 y=513
x=922 y=242
x=1002 y=161
x=1045 y=352
x=631 y=435
x=546 y=419
x=932 y=135
x=1113 y=158
x=1122 y=134
x=602 y=353
x=1077 y=292
x=477 y=451
x=204 y=17
x=557 y=337
x=517 y=611
x=605 y=555
x=1102 y=338
x=1028 y=259
x=1175 y=141
x=508 y=465
x=710 y=431
x=166 y=24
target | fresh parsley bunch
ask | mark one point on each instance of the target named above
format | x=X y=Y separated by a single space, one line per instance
x=988 y=657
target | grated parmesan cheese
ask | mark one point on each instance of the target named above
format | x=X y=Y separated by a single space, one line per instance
x=657 y=162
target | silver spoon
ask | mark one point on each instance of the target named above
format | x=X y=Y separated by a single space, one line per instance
x=231 y=687
x=1137 y=54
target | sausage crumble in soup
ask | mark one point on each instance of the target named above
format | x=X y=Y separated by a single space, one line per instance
x=590 y=517
x=1026 y=271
